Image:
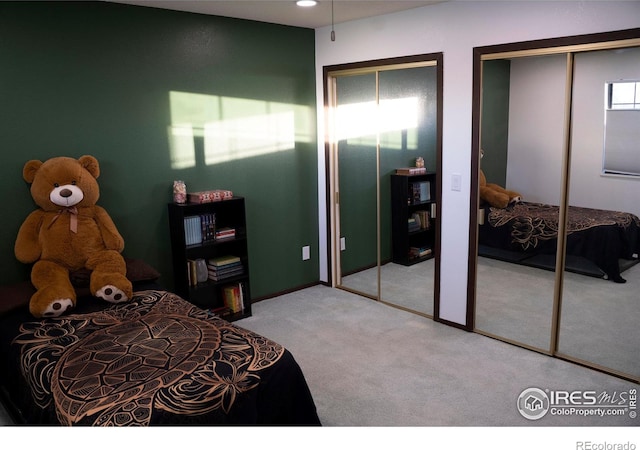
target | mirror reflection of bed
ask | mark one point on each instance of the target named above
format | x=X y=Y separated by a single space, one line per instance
x=522 y=135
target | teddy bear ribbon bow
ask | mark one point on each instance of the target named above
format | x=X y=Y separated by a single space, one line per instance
x=73 y=218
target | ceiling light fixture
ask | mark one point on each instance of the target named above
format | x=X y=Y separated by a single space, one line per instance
x=306 y=3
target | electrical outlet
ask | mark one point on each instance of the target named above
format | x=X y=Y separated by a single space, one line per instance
x=343 y=244
x=306 y=252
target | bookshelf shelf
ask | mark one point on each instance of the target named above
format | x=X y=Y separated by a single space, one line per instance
x=413 y=210
x=210 y=258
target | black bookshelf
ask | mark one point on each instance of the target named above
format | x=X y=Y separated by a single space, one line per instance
x=413 y=212
x=188 y=246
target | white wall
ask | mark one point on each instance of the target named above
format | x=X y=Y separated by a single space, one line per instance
x=536 y=128
x=455 y=28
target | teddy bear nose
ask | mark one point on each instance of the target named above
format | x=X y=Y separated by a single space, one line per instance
x=66 y=193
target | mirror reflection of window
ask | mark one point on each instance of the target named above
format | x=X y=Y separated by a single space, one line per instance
x=622 y=128
x=620 y=70
x=623 y=95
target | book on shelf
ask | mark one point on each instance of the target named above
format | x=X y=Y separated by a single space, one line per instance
x=224 y=267
x=413 y=224
x=419 y=252
x=223 y=275
x=208 y=225
x=225 y=233
x=225 y=260
x=199 y=229
x=423 y=218
x=420 y=191
x=192 y=230
x=411 y=170
x=191 y=272
x=234 y=297
x=197 y=271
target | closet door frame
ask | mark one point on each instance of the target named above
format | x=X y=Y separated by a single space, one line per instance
x=332 y=196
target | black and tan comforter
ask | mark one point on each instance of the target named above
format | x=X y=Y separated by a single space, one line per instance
x=155 y=360
x=600 y=236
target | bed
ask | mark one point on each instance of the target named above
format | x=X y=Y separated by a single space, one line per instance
x=599 y=243
x=155 y=360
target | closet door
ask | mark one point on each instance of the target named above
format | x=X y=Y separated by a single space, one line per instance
x=599 y=318
x=522 y=141
x=572 y=132
x=382 y=116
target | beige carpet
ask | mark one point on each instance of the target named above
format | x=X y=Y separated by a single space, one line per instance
x=368 y=364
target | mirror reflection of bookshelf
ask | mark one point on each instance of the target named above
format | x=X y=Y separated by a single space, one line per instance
x=413 y=210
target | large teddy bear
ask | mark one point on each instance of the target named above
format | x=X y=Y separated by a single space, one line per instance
x=69 y=232
x=494 y=194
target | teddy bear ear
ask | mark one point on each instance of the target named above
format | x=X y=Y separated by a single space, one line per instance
x=91 y=164
x=30 y=169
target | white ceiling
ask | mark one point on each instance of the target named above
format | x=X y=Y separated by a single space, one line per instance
x=286 y=12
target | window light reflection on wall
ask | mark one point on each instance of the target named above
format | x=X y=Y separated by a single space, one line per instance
x=232 y=128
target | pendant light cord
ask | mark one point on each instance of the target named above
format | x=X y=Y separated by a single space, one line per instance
x=333 y=33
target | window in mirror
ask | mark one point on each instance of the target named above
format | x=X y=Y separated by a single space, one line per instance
x=623 y=95
x=622 y=128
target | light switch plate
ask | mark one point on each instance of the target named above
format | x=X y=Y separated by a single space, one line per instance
x=456 y=182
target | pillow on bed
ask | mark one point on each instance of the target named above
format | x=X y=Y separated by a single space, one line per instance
x=17 y=295
x=137 y=270
x=14 y=296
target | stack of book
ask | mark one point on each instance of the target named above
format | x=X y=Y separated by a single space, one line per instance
x=225 y=233
x=234 y=297
x=224 y=267
x=413 y=223
x=411 y=170
x=419 y=252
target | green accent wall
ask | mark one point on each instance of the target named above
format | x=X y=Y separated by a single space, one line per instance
x=125 y=83
x=495 y=119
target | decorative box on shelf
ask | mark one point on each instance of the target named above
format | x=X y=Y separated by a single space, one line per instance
x=216 y=195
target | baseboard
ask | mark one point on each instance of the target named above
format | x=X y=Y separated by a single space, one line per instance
x=288 y=291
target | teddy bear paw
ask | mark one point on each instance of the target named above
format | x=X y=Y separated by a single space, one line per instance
x=112 y=294
x=58 y=307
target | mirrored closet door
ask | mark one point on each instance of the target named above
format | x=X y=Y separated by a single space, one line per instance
x=382 y=117
x=558 y=271
x=521 y=139
x=599 y=318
